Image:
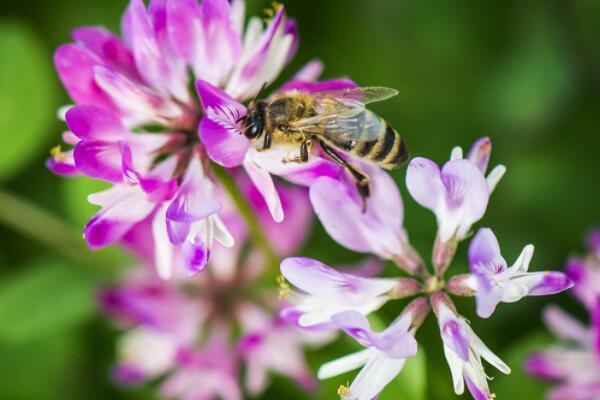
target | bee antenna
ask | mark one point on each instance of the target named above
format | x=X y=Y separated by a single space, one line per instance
x=262 y=88
x=243 y=118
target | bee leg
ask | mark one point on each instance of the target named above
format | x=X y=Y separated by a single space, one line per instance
x=267 y=141
x=362 y=179
x=304 y=150
x=304 y=154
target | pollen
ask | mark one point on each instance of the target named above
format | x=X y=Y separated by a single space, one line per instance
x=284 y=287
x=57 y=153
x=270 y=11
x=343 y=391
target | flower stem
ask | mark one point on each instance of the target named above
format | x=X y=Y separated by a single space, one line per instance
x=27 y=218
x=258 y=236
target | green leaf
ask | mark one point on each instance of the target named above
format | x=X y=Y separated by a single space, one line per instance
x=27 y=97
x=46 y=298
x=519 y=384
x=38 y=370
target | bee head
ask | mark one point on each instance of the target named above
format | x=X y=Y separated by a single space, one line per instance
x=254 y=122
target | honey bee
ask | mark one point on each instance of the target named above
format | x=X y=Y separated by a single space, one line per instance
x=336 y=120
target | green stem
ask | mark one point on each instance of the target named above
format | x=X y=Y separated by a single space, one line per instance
x=27 y=218
x=241 y=202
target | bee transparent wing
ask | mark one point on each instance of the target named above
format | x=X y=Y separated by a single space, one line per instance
x=342 y=115
x=364 y=95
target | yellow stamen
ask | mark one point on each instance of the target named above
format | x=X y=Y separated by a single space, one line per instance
x=284 y=287
x=343 y=391
x=57 y=153
x=268 y=12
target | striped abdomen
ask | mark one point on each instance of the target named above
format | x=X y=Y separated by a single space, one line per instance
x=387 y=151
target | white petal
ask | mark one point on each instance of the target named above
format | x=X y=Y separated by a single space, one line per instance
x=456 y=153
x=375 y=375
x=163 y=250
x=494 y=176
x=345 y=364
x=522 y=263
x=456 y=364
x=480 y=348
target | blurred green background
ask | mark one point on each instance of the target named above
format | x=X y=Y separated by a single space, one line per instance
x=526 y=73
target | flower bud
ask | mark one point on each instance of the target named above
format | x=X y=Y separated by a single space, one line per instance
x=439 y=299
x=410 y=261
x=419 y=308
x=405 y=287
x=459 y=286
x=443 y=254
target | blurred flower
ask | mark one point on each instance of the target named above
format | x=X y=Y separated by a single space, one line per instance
x=494 y=282
x=464 y=350
x=202 y=331
x=574 y=363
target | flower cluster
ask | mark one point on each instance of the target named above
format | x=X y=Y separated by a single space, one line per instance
x=155 y=111
x=575 y=362
x=159 y=114
x=458 y=195
x=156 y=115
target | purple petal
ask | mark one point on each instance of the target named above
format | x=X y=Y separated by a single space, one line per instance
x=95 y=123
x=75 y=66
x=338 y=212
x=100 y=160
x=593 y=242
x=477 y=392
x=108 y=47
x=128 y=375
x=205 y=37
x=540 y=366
x=456 y=338
x=314 y=277
x=63 y=164
x=424 y=182
x=484 y=254
x=488 y=296
x=194 y=201
x=220 y=130
x=551 y=283
x=291 y=29
x=132 y=97
x=466 y=188
x=122 y=208
x=480 y=153
x=195 y=255
x=354 y=324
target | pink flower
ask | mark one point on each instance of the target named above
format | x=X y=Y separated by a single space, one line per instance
x=136 y=124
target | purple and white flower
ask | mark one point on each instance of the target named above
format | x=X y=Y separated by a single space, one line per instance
x=464 y=351
x=326 y=292
x=495 y=282
x=458 y=195
x=384 y=357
